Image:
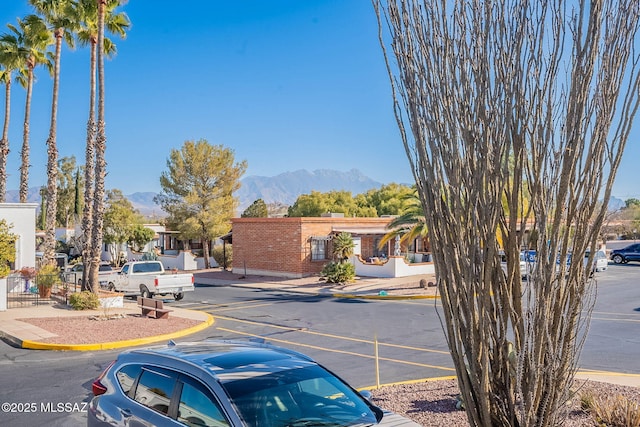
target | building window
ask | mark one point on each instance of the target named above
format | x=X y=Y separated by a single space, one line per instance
x=319 y=246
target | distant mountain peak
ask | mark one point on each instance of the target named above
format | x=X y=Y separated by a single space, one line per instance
x=287 y=186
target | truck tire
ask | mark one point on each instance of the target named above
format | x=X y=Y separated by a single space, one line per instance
x=111 y=287
x=145 y=292
x=178 y=296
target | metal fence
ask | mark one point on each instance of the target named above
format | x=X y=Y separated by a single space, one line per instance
x=23 y=292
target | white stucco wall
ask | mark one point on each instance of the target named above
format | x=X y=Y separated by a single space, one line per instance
x=395 y=266
x=22 y=217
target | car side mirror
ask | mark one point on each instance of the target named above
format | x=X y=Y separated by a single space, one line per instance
x=366 y=394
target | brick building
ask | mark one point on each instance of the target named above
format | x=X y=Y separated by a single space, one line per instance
x=300 y=247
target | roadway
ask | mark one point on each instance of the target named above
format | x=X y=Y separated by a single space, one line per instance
x=339 y=333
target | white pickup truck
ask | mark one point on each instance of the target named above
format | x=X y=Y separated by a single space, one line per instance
x=148 y=278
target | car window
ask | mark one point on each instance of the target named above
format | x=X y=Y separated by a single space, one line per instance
x=198 y=408
x=147 y=267
x=127 y=375
x=280 y=398
x=104 y=267
x=124 y=269
x=154 y=389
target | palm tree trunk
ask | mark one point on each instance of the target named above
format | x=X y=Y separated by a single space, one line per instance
x=4 y=142
x=52 y=162
x=98 y=211
x=24 y=154
x=89 y=177
x=205 y=253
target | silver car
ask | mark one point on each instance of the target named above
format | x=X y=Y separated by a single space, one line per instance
x=228 y=383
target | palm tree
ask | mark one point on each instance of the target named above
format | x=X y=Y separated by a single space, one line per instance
x=343 y=247
x=409 y=226
x=11 y=58
x=30 y=38
x=59 y=16
x=115 y=23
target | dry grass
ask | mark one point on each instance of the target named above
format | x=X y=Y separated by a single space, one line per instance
x=611 y=410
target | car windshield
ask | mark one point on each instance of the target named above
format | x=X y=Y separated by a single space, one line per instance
x=302 y=397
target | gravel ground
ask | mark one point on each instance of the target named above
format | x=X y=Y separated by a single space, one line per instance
x=433 y=403
x=93 y=330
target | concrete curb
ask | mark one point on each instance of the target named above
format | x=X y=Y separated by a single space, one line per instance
x=385 y=297
x=34 y=345
x=11 y=339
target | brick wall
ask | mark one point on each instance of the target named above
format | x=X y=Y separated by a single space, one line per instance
x=281 y=246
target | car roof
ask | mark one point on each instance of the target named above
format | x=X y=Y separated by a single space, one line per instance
x=229 y=360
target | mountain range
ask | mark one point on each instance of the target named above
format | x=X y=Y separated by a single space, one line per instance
x=283 y=189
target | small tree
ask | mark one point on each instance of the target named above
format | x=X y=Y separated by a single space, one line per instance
x=119 y=220
x=7 y=248
x=197 y=191
x=340 y=270
x=139 y=236
x=257 y=209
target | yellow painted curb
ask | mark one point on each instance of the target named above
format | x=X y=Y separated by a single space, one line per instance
x=453 y=377
x=386 y=297
x=35 y=345
x=607 y=373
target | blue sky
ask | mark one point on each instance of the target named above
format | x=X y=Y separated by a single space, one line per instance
x=287 y=84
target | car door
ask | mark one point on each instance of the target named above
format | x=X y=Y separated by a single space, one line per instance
x=123 y=279
x=633 y=254
x=151 y=396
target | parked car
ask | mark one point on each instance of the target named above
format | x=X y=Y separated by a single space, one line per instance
x=228 y=383
x=600 y=262
x=524 y=270
x=73 y=274
x=626 y=254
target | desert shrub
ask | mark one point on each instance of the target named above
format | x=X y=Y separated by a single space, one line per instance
x=84 y=300
x=611 y=410
x=339 y=272
x=219 y=255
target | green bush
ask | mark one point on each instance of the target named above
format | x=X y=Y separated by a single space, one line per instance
x=85 y=300
x=219 y=255
x=48 y=275
x=339 y=272
x=7 y=248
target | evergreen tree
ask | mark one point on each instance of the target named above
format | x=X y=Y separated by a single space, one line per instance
x=257 y=209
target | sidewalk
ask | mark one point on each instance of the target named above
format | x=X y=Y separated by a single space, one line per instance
x=19 y=333
x=363 y=287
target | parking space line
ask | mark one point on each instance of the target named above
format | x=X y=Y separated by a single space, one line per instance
x=241 y=307
x=610 y=319
x=350 y=353
x=206 y=304
x=341 y=337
